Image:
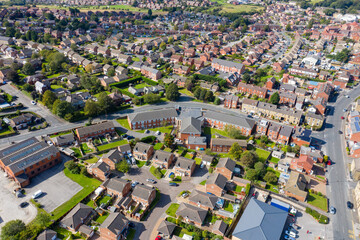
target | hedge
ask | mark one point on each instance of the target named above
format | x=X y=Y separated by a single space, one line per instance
x=126 y=82
x=320 y=218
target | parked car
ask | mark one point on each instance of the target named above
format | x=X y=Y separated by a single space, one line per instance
x=291 y=234
x=33 y=102
x=287 y=237
x=342 y=117
x=172 y=184
x=151 y=180
x=37 y=194
x=134 y=184
x=158 y=133
x=147 y=131
x=332 y=210
x=349 y=205
x=185 y=194
x=158 y=238
x=24 y=204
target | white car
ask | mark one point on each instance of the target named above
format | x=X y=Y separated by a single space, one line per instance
x=37 y=194
x=33 y=102
x=291 y=234
x=158 y=133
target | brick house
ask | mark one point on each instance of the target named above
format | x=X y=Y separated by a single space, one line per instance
x=156 y=118
x=100 y=170
x=115 y=227
x=224 y=144
x=189 y=127
x=203 y=200
x=296 y=186
x=226 y=167
x=184 y=167
x=181 y=70
x=112 y=158
x=227 y=66
x=95 y=130
x=151 y=73
x=302 y=164
x=144 y=194
x=163 y=159
x=215 y=184
x=231 y=101
x=252 y=90
x=273 y=131
x=21 y=121
x=117 y=187
x=191 y=214
x=285 y=135
x=81 y=214
x=143 y=151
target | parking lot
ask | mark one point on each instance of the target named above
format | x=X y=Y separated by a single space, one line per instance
x=9 y=207
x=57 y=188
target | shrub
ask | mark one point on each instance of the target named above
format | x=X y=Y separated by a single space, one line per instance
x=247 y=189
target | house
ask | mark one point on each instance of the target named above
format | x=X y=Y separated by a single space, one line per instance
x=47 y=234
x=285 y=135
x=184 y=167
x=191 y=214
x=260 y=221
x=156 y=118
x=63 y=140
x=273 y=131
x=115 y=227
x=314 y=154
x=227 y=66
x=252 y=90
x=143 y=151
x=144 y=194
x=207 y=160
x=224 y=144
x=194 y=142
x=100 y=170
x=301 y=136
x=190 y=127
x=203 y=200
x=163 y=159
x=151 y=73
x=296 y=186
x=21 y=121
x=112 y=158
x=226 y=167
x=314 y=120
x=181 y=70
x=166 y=229
x=95 y=130
x=125 y=149
x=121 y=70
x=41 y=87
x=219 y=228
x=81 y=214
x=215 y=184
x=302 y=164
x=117 y=187
x=231 y=101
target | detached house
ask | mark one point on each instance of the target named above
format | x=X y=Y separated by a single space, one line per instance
x=163 y=159
x=216 y=184
x=302 y=164
x=115 y=227
x=192 y=214
x=117 y=187
x=203 y=200
x=226 y=167
x=143 y=151
x=184 y=167
x=80 y=215
x=144 y=194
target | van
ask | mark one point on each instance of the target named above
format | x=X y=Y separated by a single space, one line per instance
x=37 y=194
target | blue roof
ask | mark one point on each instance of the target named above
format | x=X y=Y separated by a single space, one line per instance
x=357 y=126
x=313 y=83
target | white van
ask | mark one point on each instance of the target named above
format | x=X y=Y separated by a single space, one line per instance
x=37 y=194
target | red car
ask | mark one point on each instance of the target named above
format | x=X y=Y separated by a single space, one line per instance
x=158 y=238
x=342 y=117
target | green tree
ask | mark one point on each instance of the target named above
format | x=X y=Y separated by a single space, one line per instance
x=186 y=26
x=11 y=229
x=49 y=98
x=270 y=177
x=111 y=72
x=217 y=101
x=259 y=167
x=10 y=32
x=275 y=98
x=251 y=174
x=105 y=102
x=235 y=151
x=13 y=76
x=149 y=12
x=91 y=108
x=74 y=47
x=264 y=139
x=170 y=40
x=197 y=93
x=249 y=158
x=123 y=166
x=172 y=92
x=233 y=132
x=151 y=98
x=168 y=140
x=246 y=77
x=288 y=27
x=163 y=46
x=72 y=167
x=62 y=108
x=28 y=69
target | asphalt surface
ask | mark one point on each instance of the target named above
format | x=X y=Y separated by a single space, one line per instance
x=340 y=184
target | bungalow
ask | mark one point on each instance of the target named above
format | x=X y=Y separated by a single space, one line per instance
x=215 y=184
x=163 y=159
x=184 y=167
x=166 y=229
x=47 y=234
x=143 y=151
x=192 y=214
x=63 y=140
x=296 y=186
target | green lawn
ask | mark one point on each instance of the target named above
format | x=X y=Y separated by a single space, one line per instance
x=140 y=163
x=263 y=154
x=62 y=233
x=317 y=201
x=198 y=161
x=166 y=129
x=230 y=8
x=55 y=86
x=100 y=219
x=158 y=146
x=203 y=183
x=274 y=160
x=6 y=131
x=157 y=174
x=131 y=234
x=136 y=59
x=85 y=148
x=97 y=95
x=167 y=149
x=92 y=160
x=213 y=131
x=124 y=122
x=54 y=75
x=186 y=92
x=273 y=188
x=188 y=155
x=89 y=185
x=171 y=211
x=77 y=152
x=60 y=134
x=112 y=145
x=103 y=199
x=228 y=207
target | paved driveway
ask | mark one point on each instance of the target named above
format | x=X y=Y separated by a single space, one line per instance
x=9 y=204
x=56 y=186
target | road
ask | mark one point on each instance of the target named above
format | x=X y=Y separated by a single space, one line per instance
x=338 y=190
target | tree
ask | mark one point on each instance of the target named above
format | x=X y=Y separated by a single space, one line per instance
x=105 y=102
x=246 y=77
x=186 y=26
x=151 y=98
x=28 y=69
x=197 y=93
x=288 y=27
x=13 y=76
x=162 y=46
x=49 y=98
x=12 y=228
x=251 y=174
x=209 y=96
x=89 y=68
x=123 y=166
x=267 y=28
x=233 y=132
x=172 y=92
x=168 y=140
x=72 y=167
x=270 y=177
x=249 y=158
x=170 y=40
x=259 y=167
x=74 y=47
x=275 y=98
x=189 y=84
x=111 y=72
x=235 y=151
x=217 y=101
x=62 y=108
x=149 y=12
x=264 y=139
x=91 y=108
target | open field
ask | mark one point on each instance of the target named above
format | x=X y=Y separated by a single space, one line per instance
x=229 y=8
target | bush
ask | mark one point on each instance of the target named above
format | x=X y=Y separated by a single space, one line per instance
x=72 y=167
x=84 y=172
x=247 y=189
x=148 y=139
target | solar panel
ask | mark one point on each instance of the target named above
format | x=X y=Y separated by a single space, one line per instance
x=24 y=153
x=19 y=146
x=32 y=159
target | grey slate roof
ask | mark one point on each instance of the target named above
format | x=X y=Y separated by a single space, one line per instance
x=47 y=234
x=115 y=222
x=153 y=115
x=166 y=228
x=220 y=226
x=142 y=147
x=286 y=131
x=192 y=213
x=94 y=128
x=203 y=198
x=184 y=163
x=217 y=179
x=227 y=63
x=196 y=140
x=114 y=155
x=237 y=121
x=142 y=191
x=260 y=221
x=162 y=156
x=228 y=142
x=226 y=163
x=78 y=214
x=116 y=184
x=191 y=125
x=64 y=139
x=101 y=165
